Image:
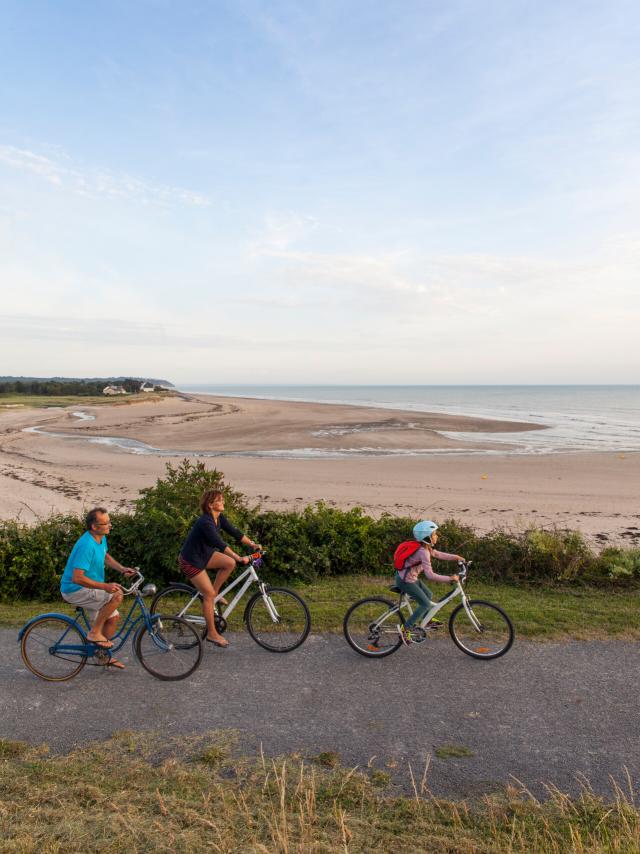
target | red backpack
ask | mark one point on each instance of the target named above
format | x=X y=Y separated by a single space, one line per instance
x=404 y=551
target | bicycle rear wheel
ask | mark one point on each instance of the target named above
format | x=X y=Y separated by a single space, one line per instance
x=371 y=627
x=170 y=650
x=278 y=621
x=54 y=649
x=486 y=632
x=176 y=601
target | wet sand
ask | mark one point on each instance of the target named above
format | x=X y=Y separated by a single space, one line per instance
x=594 y=493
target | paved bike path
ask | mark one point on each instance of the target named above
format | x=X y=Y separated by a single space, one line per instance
x=543 y=713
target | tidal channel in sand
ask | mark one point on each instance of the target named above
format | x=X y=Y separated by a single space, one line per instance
x=287 y=454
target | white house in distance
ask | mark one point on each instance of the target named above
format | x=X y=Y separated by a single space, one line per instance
x=113 y=389
x=145 y=387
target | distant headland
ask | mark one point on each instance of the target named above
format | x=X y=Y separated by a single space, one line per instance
x=109 y=380
x=36 y=389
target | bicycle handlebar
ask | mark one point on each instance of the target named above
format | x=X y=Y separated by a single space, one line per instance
x=464 y=569
x=136 y=584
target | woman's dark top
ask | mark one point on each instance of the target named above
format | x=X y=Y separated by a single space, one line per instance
x=204 y=538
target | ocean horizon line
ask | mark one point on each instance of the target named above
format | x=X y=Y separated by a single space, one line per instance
x=178 y=385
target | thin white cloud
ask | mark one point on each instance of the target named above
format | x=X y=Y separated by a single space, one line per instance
x=281 y=231
x=473 y=284
x=99 y=183
x=40 y=330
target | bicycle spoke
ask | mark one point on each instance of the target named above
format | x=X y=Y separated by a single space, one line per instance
x=53 y=649
x=370 y=627
x=484 y=633
x=171 y=650
x=174 y=602
x=279 y=621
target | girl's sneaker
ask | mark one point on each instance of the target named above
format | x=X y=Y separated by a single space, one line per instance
x=405 y=635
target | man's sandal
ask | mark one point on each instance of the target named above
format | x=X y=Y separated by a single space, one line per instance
x=114 y=662
x=101 y=644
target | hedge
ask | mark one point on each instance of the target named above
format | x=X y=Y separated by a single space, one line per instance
x=318 y=541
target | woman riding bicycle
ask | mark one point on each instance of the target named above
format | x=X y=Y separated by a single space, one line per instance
x=205 y=549
x=410 y=560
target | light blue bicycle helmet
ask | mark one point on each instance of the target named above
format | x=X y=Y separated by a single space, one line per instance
x=423 y=530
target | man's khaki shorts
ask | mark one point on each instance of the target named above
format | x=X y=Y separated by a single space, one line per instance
x=91 y=600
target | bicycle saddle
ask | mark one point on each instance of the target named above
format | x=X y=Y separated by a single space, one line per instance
x=394 y=589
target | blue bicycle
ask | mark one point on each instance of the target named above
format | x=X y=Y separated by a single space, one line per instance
x=55 y=646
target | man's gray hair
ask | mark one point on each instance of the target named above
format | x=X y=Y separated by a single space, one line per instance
x=92 y=516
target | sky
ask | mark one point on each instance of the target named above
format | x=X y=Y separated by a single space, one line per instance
x=243 y=191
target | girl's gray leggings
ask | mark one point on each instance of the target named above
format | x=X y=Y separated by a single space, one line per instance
x=420 y=593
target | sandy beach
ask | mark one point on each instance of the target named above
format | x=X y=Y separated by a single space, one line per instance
x=41 y=474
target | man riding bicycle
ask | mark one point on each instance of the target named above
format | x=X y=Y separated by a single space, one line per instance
x=83 y=585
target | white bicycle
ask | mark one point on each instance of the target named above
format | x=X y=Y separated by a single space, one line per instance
x=276 y=617
x=480 y=629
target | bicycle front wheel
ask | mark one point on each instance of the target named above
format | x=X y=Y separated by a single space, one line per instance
x=279 y=620
x=484 y=631
x=54 y=649
x=371 y=627
x=170 y=650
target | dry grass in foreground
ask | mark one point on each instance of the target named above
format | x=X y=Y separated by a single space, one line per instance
x=132 y=794
x=31 y=401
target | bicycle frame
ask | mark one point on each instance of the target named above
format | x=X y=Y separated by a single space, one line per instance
x=129 y=624
x=119 y=639
x=251 y=576
x=405 y=602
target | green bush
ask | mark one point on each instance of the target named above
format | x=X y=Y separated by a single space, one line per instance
x=619 y=564
x=32 y=557
x=317 y=541
x=322 y=541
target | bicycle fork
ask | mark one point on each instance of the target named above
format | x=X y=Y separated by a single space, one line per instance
x=474 y=620
x=271 y=608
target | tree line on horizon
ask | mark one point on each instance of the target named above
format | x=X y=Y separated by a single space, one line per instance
x=63 y=388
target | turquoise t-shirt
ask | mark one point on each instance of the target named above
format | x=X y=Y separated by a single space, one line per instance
x=87 y=554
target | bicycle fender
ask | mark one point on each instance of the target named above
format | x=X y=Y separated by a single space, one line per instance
x=134 y=641
x=64 y=617
x=177 y=585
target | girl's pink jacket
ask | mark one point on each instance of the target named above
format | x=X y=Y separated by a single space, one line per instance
x=419 y=562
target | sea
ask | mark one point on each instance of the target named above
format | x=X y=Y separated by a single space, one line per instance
x=578 y=418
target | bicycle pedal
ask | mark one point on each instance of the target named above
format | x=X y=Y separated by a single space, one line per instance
x=418 y=635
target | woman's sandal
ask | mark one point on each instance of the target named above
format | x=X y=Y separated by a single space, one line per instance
x=217 y=643
x=116 y=663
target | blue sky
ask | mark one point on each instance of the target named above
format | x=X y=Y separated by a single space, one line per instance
x=408 y=192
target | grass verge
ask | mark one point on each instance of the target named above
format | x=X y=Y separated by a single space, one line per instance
x=542 y=613
x=131 y=794
x=29 y=401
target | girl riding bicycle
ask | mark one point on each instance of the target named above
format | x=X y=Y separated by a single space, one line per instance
x=413 y=558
